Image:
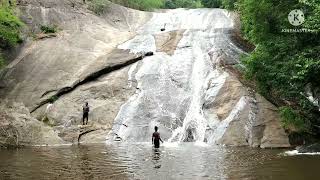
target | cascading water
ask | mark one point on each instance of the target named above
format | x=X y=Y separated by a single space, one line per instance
x=172 y=89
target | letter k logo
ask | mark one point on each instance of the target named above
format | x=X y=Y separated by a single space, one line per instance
x=296 y=17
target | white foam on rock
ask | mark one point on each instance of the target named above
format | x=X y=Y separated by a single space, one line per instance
x=140 y=43
x=296 y=152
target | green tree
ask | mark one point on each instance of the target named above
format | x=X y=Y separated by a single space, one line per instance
x=172 y=4
x=229 y=4
x=146 y=4
x=283 y=64
x=212 y=3
x=141 y=4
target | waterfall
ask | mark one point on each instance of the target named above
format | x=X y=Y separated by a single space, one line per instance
x=172 y=89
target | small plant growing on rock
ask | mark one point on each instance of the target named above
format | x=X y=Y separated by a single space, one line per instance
x=47 y=121
x=53 y=99
x=98 y=6
x=49 y=29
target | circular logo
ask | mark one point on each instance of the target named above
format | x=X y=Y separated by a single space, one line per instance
x=296 y=17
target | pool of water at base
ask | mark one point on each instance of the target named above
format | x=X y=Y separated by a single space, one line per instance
x=141 y=161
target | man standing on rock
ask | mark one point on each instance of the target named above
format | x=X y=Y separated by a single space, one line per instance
x=156 y=138
x=86 y=110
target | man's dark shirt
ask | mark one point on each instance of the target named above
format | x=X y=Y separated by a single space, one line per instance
x=85 y=109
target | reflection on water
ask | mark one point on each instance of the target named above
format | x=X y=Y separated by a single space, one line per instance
x=156 y=158
x=141 y=161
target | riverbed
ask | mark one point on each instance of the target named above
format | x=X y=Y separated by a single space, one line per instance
x=141 y=161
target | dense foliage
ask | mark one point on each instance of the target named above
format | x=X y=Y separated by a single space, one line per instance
x=9 y=28
x=171 y=4
x=100 y=6
x=144 y=4
x=212 y=3
x=284 y=64
x=228 y=4
x=291 y=120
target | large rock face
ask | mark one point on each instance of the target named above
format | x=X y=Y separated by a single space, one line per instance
x=101 y=60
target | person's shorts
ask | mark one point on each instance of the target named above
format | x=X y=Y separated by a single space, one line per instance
x=156 y=144
x=85 y=115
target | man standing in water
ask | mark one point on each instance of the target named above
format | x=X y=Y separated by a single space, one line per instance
x=86 y=110
x=156 y=138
